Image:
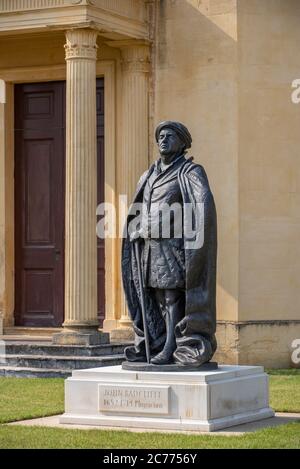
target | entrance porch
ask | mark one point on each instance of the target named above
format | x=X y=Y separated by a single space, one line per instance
x=65 y=295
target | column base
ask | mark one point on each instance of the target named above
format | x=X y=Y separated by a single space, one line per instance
x=109 y=325
x=80 y=338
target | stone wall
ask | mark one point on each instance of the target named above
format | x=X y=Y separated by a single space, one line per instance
x=225 y=68
x=196 y=83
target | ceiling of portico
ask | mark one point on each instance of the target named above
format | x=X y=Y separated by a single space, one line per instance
x=43 y=49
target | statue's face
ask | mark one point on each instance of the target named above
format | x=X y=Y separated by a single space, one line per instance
x=169 y=142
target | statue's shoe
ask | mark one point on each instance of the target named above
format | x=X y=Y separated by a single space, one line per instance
x=163 y=358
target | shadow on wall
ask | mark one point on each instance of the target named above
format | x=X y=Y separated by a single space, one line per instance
x=196 y=83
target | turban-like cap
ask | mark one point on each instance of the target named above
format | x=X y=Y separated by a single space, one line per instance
x=179 y=128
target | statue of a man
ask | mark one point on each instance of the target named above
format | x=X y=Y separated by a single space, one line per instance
x=178 y=273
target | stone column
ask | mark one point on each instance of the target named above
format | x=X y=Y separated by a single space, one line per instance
x=7 y=219
x=81 y=323
x=135 y=137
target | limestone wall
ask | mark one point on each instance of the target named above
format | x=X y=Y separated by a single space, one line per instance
x=269 y=160
x=196 y=83
x=225 y=68
x=269 y=179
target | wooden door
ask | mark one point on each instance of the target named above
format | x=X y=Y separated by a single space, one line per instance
x=39 y=203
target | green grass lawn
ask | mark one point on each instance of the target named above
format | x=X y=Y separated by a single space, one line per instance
x=285 y=390
x=25 y=398
x=28 y=398
x=283 y=436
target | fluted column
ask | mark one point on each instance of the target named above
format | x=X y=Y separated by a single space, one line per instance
x=135 y=127
x=135 y=109
x=81 y=323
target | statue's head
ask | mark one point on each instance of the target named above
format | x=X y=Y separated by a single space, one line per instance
x=172 y=138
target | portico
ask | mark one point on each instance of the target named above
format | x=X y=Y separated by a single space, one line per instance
x=91 y=39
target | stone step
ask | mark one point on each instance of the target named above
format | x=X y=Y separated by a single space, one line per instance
x=20 y=348
x=59 y=362
x=23 y=372
x=31 y=330
x=26 y=338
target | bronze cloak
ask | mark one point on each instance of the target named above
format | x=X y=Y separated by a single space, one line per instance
x=195 y=333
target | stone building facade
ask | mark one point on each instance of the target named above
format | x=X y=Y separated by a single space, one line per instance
x=224 y=68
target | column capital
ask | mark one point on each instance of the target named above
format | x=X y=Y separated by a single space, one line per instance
x=135 y=55
x=81 y=44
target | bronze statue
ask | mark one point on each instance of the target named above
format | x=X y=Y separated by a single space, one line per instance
x=170 y=280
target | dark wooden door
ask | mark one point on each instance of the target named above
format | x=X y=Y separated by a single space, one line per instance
x=100 y=196
x=39 y=203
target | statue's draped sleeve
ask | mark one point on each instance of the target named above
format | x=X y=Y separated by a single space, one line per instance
x=195 y=333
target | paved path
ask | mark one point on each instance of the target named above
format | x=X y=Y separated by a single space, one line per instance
x=279 y=419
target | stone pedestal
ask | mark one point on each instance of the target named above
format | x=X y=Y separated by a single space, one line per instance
x=195 y=401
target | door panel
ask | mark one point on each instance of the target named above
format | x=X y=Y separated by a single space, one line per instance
x=39 y=203
x=39 y=199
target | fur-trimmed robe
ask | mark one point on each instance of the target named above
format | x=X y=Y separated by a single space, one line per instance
x=195 y=333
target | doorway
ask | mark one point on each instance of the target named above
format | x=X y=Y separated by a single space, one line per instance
x=39 y=203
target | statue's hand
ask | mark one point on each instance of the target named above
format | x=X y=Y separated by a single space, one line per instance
x=135 y=235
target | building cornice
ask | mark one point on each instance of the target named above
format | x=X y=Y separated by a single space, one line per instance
x=117 y=19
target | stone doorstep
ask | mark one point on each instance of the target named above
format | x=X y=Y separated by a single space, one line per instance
x=280 y=418
x=40 y=359
x=19 y=338
x=39 y=332
x=22 y=347
x=100 y=358
x=64 y=369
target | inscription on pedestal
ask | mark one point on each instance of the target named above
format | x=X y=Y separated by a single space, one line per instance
x=133 y=398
